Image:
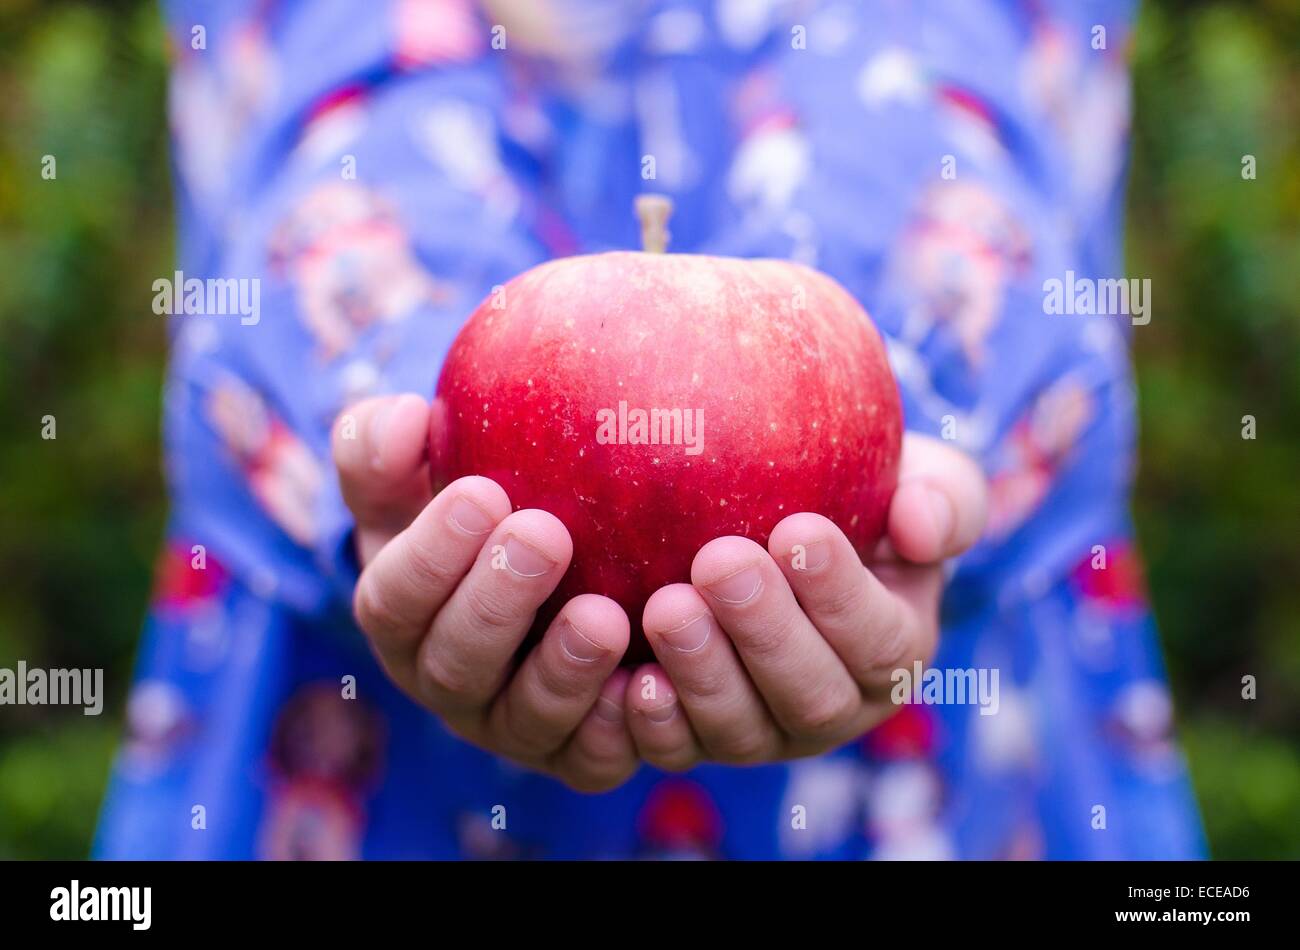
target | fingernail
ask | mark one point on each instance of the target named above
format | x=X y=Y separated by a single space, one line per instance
x=524 y=559
x=737 y=588
x=375 y=433
x=942 y=512
x=609 y=704
x=469 y=517
x=814 y=556
x=579 y=647
x=608 y=710
x=661 y=713
x=690 y=636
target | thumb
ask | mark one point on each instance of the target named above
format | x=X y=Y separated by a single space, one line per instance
x=380 y=448
x=941 y=503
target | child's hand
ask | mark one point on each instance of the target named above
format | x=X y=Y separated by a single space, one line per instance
x=766 y=656
x=761 y=660
x=445 y=623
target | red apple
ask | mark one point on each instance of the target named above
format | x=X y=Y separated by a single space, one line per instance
x=653 y=402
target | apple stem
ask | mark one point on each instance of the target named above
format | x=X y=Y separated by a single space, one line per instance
x=654 y=211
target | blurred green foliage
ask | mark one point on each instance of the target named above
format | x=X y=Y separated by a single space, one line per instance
x=81 y=515
x=1217 y=515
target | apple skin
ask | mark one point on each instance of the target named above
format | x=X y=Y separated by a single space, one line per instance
x=800 y=411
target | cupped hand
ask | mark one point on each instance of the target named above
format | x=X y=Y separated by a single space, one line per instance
x=448 y=590
x=786 y=652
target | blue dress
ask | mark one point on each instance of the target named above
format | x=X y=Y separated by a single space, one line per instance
x=380 y=167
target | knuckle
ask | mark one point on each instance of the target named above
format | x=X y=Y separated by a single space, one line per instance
x=593 y=778
x=522 y=740
x=840 y=606
x=490 y=609
x=768 y=639
x=928 y=644
x=823 y=712
x=442 y=678
x=533 y=727
x=739 y=747
x=427 y=566
x=374 y=612
x=891 y=647
x=708 y=684
x=559 y=680
x=670 y=760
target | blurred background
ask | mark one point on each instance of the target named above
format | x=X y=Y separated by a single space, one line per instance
x=1218 y=517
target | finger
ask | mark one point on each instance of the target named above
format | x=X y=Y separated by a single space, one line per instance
x=561 y=678
x=464 y=660
x=721 y=703
x=801 y=678
x=380 y=451
x=601 y=754
x=412 y=576
x=941 y=503
x=872 y=629
x=660 y=730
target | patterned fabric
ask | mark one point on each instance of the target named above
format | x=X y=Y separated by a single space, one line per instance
x=381 y=166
